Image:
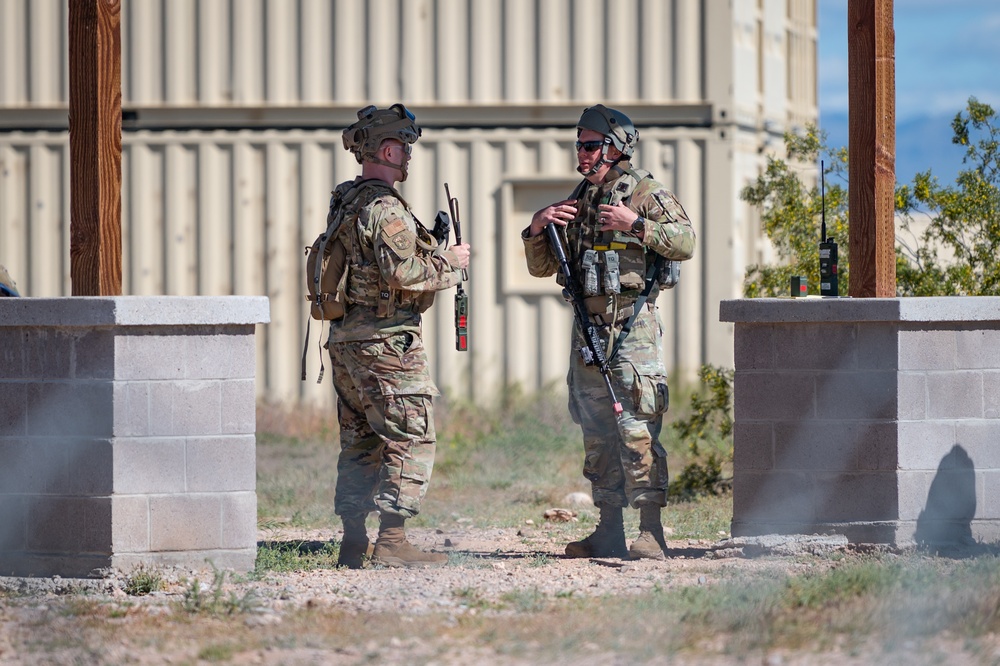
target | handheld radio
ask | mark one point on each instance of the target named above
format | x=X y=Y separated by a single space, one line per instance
x=827 y=247
x=461 y=298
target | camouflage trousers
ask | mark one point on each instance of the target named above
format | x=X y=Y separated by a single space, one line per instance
x=623 y=460
x=387 y=439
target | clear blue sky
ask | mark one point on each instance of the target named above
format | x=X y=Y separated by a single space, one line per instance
x=946 y=51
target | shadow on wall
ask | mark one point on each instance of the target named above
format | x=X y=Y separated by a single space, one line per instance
x=951 y=503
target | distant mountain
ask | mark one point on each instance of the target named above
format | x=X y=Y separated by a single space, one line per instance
x=921 y=143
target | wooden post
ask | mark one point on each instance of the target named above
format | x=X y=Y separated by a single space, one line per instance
x=872 y=147
x=95 y=146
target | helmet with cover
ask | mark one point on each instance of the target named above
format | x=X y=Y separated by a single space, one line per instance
x=375 y=125
x=613 y=124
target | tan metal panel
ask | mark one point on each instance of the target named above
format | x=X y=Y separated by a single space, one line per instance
x=181 y=65
x=14 y=197
x=281 y=63
x=486 y=87
x=214 y=52
x=14 y=60
x=317 y=61
x=48 y=54
x=215 y=259
x=142 y=52
x=249 y=50
x=45 y=227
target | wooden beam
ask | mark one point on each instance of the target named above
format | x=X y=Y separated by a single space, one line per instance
x=95 y=146
x=872 y=147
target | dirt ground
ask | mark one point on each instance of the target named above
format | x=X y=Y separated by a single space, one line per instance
x=61 y=621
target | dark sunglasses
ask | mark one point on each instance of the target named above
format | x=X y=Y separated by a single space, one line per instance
x=588 y=146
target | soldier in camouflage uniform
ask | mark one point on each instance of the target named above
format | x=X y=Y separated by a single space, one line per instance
x=384 y=388
x=615 y=223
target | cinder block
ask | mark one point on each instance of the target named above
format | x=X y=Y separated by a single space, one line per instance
x=856 y=396
x=142 y=356
x=33 y=466
x=780 y=396
x=97 y=534
x=58 y=409
x=47 y=353
x=56 y=524
x=94 y=354
x=239 y=521
x=991 y=394
x=221 y=464
x=924 y=444
x=185 y=522
x=13 y=522
x=926 y=348
x=753 y=446
x=754 y=347
x=149 y=465
x=878 y=346
x=810 y=446
x=856 y=497
x=11 y=353
x=130 y=523
x=197 y=408
x=182 y=408
x=981 y=441
x=911 y=396
x=878 y=446
x=978 y=348
x=955 y=395
x=220 y=356
x=13 y=409
x=913 y=487
x=816 y=346
x=239 y=407
x=774 y=497
x=131 y=407
x=89 y=466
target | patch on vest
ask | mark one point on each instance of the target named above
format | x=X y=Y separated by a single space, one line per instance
x=399 y=238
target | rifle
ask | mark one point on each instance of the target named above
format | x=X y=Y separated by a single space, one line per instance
x=593 y=352
x=461 y=298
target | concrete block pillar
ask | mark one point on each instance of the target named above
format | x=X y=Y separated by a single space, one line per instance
x=878 y=419
x=127 y=433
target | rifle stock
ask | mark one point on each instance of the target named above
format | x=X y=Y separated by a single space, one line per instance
x=593 y=353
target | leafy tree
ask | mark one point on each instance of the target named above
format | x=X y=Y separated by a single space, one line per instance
x=791 y=213
x=948 y=240
x=948 y=243
x=958 y=253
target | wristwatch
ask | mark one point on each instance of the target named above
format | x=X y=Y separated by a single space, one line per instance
x=639 y=226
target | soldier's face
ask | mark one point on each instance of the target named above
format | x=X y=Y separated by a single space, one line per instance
x=591 y=152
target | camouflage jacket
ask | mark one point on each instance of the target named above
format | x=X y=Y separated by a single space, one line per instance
x=668 y=232
x=395 y=269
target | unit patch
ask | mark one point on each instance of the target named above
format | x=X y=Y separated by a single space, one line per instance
x=399 y=238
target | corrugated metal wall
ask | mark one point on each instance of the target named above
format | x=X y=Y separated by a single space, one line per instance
x=350 y=52
x=230 y=213
x=232 y=144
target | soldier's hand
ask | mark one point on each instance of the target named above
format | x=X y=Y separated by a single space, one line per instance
x=463 y=252
x=560 y=213
x=616 y=218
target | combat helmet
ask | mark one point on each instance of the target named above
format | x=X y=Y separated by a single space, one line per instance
x=374 y=126
x=617 y=129
x=7 y=285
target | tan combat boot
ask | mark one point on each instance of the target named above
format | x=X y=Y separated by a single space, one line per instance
x=355 y=546
x=650 y=545
x=608 y=540
x=393 y=550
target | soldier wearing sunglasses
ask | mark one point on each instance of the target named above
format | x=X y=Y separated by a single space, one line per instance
x=383 y=384
x=614 y=225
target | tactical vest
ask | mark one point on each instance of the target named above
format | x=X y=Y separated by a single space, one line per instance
x=611 y=265
x=365 y=284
